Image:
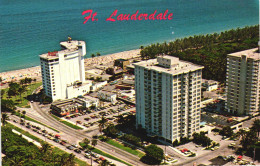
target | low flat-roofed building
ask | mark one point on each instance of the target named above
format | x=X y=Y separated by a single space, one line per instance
x=210 y=85
x=66 y=107
x=95 y=73
x=122 y=63
x=90 y=101
x=98 y=85
x=107 y=96
x=128 y=93
x=78 y=89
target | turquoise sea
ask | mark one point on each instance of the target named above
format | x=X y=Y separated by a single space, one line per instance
x=32 y=27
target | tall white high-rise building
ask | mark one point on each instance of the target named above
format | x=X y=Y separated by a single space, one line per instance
x=242 y=82
x=63 y=72
x=168 y=96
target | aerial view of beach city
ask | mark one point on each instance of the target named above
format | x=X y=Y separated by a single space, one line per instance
x=130 y=83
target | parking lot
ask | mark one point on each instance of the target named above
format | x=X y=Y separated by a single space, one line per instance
x=91 y=117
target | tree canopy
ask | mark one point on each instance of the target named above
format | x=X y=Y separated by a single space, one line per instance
x=208 y=50
x=153 y=154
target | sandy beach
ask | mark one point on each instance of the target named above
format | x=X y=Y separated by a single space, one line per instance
x=35 y=72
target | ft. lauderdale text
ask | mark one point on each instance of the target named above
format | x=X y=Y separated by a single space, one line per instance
x=125 y=17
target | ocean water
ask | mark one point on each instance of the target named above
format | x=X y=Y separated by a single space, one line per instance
x=33 y=27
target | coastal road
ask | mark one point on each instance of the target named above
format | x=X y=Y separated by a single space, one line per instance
x=112 y=150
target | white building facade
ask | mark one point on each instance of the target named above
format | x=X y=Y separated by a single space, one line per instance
x=242 y=82
x=107 y=96
x=168 y=96
x=63 y=68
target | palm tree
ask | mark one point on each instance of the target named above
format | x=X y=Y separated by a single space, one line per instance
x=98 y=54
x=94 y=142
x=104 y=163
x=45 y=147
x=24 y=112
x=256 y=126
x=46 y=150
x=21 y=90
x=2 y=93
x=4 y=118
x=93 y=55
x=19 y=112
x=86 y=142
x=71 y=159
x=102 y=124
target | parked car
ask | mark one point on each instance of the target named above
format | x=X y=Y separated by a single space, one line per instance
x=87 y=155
x=15 y=121
x=75 y=145
x=97 y=161
x=56 y=140
x=63 y=143
x=77 y=151
x=70 y=147
x=95 y=155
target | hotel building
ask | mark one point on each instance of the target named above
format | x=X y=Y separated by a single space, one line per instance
x=63 y=72
x=168 y=96
x=242 y=82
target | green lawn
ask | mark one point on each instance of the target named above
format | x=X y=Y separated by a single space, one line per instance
x=24 y=132
x=104 y=154
x=67 y=123
x=24 y=102
x=33 y=120
x=57 y=150
x=128 y=149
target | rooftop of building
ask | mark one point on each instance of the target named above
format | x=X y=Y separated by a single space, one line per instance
x=90 y=98
x=78 y=84
x=177 y=66
x=69 y=47
x=121 y=60
x=106 y=93
x=209 y=81
x=251 y=53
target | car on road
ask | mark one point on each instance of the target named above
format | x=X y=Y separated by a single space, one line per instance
x=75 y=145
x=35 y=130
x=51 y=134
x=97 y=161
x=95 y=155
x=87 y=155
x=70 y=147
x=15 y=121
x=78 y=121
x=28 y=126
x=56 y=140
x=63 y=143
x=77 y=151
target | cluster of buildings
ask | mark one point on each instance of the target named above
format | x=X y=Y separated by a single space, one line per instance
x=167 y=90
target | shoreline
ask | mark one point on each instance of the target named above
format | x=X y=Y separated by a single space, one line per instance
x=35 y=72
